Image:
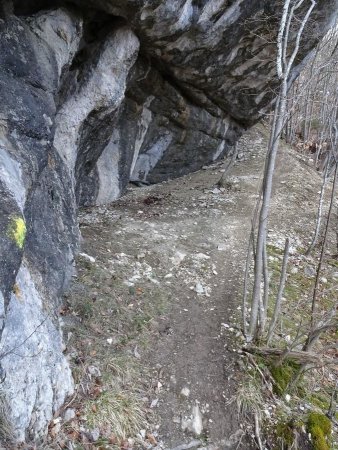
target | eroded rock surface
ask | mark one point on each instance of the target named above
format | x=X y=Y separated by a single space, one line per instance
x=93 y=95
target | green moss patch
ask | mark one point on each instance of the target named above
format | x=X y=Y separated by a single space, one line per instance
x=285 y=432
x=283 y=375
x=320 y=428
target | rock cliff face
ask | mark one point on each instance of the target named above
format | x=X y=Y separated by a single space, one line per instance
x=95 y=94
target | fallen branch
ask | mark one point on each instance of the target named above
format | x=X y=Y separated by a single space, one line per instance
x=299 y=356
x=257 y=433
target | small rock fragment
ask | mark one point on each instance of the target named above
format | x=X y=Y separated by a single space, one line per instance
x=143 y=434
x=69 y=414
x=95 y=434
x=195 y=423
x=94 y=371
x=199 y=288
x=136 y=353
x=202 y=256
x=216 y=191
x=185 y=392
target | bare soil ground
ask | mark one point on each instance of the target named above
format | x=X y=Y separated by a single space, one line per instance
x=152 y=319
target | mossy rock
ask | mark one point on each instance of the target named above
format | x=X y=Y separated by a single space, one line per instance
x=320 y=428
x=283 y=375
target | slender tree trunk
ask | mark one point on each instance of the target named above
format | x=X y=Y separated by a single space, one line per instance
x=278 y=303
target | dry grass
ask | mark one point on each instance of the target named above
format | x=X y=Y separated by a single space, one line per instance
x=249 y=397
x=6 y=430
x=121 y=411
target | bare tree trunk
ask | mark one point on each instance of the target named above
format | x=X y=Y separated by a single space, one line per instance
x=319 y=267
x=284 y=66
x=265 y=305
x=319 y=213
x=278 y=303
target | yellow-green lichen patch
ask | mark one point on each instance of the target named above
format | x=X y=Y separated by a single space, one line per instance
x=17 y=231
x=320 y=428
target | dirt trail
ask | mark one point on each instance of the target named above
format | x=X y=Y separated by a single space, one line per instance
x=176 y=253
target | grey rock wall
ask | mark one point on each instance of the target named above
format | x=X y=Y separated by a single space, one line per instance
x=94 y=95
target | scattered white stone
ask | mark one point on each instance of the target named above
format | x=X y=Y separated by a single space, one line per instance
x=69 y=414
x=94 y=371
x=202 y=256
x=323 y=280
x=136 y=353
x=216 y=191
x=178 y=258
x=110 y=341
x=294 y=270
x=185 y=392
x=225 y=325
x=154 y=403
x=287 y=398
x=195 y=423
x=221 y=247
x=95 y=434
x=199 y=288
x=143 y=434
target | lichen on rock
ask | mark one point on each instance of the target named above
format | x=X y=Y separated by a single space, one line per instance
x=17 y=231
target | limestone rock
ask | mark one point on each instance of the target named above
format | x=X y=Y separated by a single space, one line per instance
x=93 y=96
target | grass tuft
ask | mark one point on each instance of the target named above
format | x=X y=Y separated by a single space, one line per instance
x=120 y=410
x=249 y=397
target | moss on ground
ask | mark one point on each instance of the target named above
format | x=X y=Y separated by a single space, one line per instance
x=285 y=433
x=283 y=375
x=320 y=428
